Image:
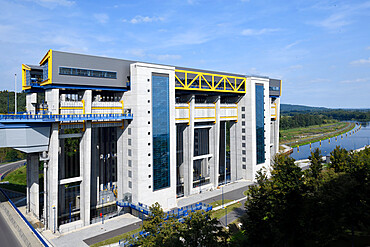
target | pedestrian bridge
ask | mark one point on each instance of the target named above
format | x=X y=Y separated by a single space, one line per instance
x=30 y=133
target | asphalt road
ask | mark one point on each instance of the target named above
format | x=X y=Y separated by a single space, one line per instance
x=6 y=167
x=7 y=237
x=9 y=166
x=112 y=234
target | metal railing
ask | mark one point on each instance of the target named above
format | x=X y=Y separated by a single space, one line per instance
x=62 y=117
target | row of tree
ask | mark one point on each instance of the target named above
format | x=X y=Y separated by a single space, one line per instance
x=323 y=205
x=303 y=120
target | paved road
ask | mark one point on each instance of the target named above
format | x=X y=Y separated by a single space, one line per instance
x=9 y=166
x=111 y=234
x=7 y=237
x=233 y=215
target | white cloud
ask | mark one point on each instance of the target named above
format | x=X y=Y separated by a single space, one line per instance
x=140 y=19
x=101 y=18
x=361 y=61
x=334 y=21
x=256 y=32
x=358 y=80
x=368 y=48
x=54 y=3
x=166 y=57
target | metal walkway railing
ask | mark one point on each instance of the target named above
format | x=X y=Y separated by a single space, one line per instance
x=16 y=118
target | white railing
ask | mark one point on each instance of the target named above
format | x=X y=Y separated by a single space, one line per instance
x=228 y=112
x=71 y=107
x=106 y=107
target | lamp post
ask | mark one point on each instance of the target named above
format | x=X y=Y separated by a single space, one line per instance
x=222 y=192
x=15 y=93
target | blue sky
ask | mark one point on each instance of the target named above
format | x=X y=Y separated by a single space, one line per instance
x=320 y=49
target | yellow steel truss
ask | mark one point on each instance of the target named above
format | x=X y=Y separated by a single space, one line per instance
x=201 y=81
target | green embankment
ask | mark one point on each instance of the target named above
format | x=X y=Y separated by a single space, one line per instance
x=302 y=136
x=116 y=239
x=18 y=180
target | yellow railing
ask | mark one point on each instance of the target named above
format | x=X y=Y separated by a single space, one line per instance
x=201 y=81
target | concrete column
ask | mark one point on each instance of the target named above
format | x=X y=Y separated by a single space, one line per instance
x=52 y=178
x=250 y=110
x=189 y=150
x=33 y=184
x=85 y=167
x=214 y=145
x=234 y=157
x=31 y=102
x=121 y=162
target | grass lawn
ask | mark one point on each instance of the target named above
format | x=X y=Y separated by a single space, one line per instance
x=300 y=136
x=18 y=176
x=245 y=193
x=219 y=203
x=116 y=239
x=18 y=180
x=221 y=212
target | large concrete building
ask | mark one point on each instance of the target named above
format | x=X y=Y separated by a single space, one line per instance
x=108 y=129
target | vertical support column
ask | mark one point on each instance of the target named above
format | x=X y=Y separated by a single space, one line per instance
x=33 y=184
x=234 y=157
x=51 y=207
x=52 y=179
x=251 y=149
x=215 y=145
x=189 y=149
x=85 y=168
x=122 y=166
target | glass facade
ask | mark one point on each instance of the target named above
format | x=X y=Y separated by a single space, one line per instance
x=87 y=73
x=201 y=142
x=260 y=125
x=45 y=71
x=161 y=131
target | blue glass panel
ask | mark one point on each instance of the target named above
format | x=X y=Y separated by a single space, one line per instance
x=260 y=125
x=45 y=71
x=161 y=132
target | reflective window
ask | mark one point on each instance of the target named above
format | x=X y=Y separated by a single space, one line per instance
x=274 y=88
x=87 y=73
x=45 y=71
x=201 y=142
x=161 y=131
x=260 y=125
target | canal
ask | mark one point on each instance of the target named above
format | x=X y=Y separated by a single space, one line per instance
x=349 y=141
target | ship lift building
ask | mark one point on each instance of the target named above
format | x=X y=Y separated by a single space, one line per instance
x=103 y=130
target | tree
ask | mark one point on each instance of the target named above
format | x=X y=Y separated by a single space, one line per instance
x=316 y=163
x=197 y=229
x=274 y=206
x=338 y=159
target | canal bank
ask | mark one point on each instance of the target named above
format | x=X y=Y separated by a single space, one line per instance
x=350 y=140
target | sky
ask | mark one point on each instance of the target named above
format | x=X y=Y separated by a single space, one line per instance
x=319 y=49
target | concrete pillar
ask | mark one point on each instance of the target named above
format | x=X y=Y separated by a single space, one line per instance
x=189 y=149
x=85 y=161
x=31 y=102
x=33 y=184
x=52 y=179
x=214 y=145
x=234 y=157
x=250 y=124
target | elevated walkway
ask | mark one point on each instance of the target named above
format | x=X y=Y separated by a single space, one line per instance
x=30 y=133
x=37 y=118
